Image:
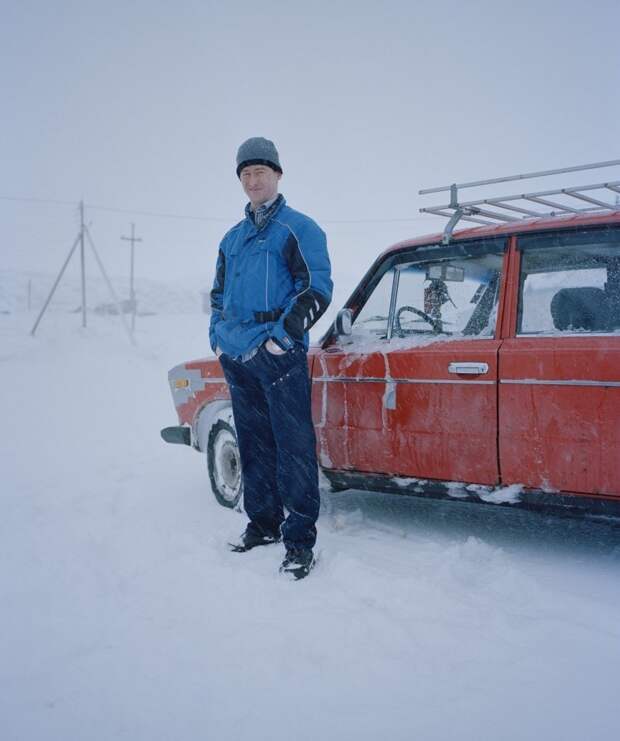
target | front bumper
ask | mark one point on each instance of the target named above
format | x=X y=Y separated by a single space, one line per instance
x=179 y=434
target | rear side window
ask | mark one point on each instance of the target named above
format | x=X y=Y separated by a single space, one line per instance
x=570 y=283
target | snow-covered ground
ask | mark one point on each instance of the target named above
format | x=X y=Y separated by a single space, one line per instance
x=124 y=616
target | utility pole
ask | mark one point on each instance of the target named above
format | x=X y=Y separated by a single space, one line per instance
x=132 y=294
x=83 y=263
x=80 y=241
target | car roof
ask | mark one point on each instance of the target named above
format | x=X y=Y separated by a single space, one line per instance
x=568 y=221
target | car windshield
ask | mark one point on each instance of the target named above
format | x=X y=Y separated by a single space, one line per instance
x=446 y=297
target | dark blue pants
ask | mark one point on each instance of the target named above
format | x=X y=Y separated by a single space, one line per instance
x=270 y=397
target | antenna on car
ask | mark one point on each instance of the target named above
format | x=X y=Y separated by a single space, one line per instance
x=477 y=211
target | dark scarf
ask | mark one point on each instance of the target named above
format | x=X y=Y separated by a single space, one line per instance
x=261 y=216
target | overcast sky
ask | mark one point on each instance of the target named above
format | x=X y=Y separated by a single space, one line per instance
x=141 y=106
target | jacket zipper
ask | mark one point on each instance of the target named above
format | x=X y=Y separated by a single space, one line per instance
x=267 y=282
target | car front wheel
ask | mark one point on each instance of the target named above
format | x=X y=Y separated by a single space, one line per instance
x=224 y=464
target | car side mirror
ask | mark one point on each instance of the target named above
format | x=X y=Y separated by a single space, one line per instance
x=344 y=322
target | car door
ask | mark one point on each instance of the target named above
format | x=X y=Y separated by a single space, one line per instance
x=559 y=404
x=416 y=387
x=349 y=386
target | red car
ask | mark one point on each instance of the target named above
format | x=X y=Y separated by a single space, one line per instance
x=482 y=365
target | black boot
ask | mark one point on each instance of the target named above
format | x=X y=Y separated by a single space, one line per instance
x=249 y=540
x=297 y=562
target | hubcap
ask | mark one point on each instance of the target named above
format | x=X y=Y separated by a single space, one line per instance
x=227 y=467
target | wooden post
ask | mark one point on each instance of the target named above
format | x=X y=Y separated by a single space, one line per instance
x=83 y=263
x=132 y=294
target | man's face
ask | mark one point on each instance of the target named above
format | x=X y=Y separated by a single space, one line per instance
x=260 y=183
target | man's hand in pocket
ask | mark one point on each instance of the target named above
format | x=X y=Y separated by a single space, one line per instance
x=273 y=348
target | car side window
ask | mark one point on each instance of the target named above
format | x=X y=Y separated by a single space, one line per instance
x=570 y=283
x=451 y=293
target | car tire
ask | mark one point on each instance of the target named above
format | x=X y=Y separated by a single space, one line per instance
x=224 y=464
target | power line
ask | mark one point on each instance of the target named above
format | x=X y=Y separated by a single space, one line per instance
x=190 y=217
x=374 y=221
x=38 y=200
x=159 y=214
x=96 y=207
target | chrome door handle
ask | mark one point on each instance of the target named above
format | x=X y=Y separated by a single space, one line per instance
x=468 y=369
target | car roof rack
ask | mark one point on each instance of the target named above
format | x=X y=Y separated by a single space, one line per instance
x=491 y=211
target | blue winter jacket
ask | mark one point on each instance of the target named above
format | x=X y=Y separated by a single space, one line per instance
x=270 y=282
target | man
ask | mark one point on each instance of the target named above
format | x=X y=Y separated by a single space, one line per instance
x=272 y=284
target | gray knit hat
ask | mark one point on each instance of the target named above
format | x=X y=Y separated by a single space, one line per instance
x=258 y=151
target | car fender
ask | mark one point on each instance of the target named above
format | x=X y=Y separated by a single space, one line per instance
x=204 y=419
